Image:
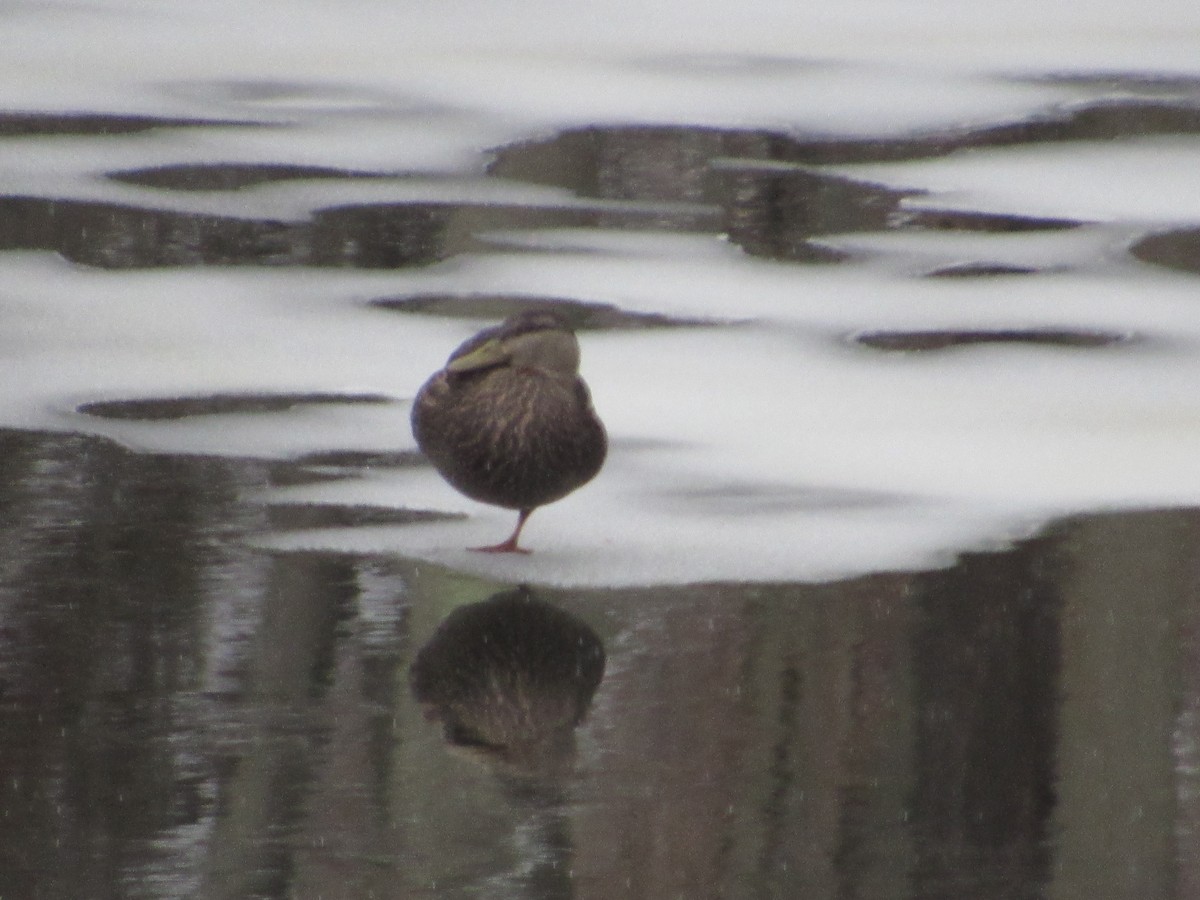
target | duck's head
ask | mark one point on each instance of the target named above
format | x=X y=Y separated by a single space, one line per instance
x=528 y=340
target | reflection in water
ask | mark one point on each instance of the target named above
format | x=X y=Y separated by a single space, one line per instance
x=986 y=665
x=183 y=716
x=1177 y=249
x=512 y=677
x=111 y=235
x=509 y=679
x=580 y=314
x=116 y=588
x=761 y=188
x=924 y=341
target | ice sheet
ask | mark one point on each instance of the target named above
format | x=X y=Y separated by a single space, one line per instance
x=1147 y=180
x=506 y=68
x=767 y=446
x=770 y=449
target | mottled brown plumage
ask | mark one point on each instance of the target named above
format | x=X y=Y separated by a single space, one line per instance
x=508 y=421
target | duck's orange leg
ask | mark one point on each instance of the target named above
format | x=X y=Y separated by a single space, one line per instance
x=510 y=545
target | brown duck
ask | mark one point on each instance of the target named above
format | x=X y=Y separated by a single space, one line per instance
x=509 y=422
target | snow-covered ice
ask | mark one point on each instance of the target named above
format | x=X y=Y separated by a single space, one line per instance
x=767 y=445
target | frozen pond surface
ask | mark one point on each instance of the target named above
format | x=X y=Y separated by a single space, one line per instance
x=894 y=323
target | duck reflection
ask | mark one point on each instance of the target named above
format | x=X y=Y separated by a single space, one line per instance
x=510 y=678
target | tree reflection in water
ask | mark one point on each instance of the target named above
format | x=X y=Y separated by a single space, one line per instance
x=181 y=715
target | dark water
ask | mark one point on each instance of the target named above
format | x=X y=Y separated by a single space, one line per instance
x=182 y=715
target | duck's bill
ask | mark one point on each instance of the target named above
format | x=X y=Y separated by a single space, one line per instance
x=490 y=353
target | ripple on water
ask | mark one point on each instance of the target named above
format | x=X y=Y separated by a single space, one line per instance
x=921 y=341
x=582 y=315
x=152 y=409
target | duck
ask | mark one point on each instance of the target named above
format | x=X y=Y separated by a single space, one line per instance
x=508 y=421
